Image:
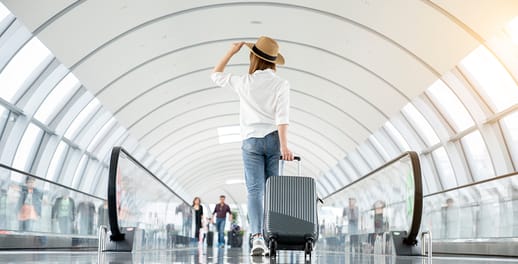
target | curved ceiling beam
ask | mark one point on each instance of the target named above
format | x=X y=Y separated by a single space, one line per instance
x=219 y=172
x=196 y=71
x=235 y=152
x=294 y=90
x=187 y=162
x=292 y=143
x=55 y=17
x=333 y=54
x=184 y=169
x=202 y=143
x=216 y=87
x=171 y=119
x=229 y=164
x=267 y=4
x=195 y=133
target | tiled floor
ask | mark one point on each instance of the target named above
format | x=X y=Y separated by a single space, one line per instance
x=221 y=256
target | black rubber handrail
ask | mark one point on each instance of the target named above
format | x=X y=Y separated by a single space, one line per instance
x=50 y=182
x=415 y=224
x=112 y=191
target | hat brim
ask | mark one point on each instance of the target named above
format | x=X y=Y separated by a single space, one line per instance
x=279 y=60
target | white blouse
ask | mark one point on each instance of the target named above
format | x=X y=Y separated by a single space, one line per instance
x=264 y=100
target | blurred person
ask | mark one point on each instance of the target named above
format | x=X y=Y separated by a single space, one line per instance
x=220 y=214
x=186 y=211
x=264 y=118
x=352 y=215
x=85 y=217
x=29 y=204
x=198 y=218
x=102 y=215
x=450 y=219
x=63 y=211
x=3 y=209
x=379 y=222
x=210 y=232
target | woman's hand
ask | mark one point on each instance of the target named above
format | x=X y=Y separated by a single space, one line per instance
x=283 y=140
x=286 y=153
x=224 y=61
x=236 y=47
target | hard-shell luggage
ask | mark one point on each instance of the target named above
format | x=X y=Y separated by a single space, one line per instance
x=210 y=238
x=290 y=213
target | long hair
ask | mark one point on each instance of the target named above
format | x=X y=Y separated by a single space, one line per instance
x=193 y=200
x=257 y=63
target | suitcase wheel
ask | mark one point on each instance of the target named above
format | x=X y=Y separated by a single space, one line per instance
x=273 y=248
x=308 y=247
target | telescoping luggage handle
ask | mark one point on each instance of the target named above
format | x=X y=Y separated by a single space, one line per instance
x=281 y=165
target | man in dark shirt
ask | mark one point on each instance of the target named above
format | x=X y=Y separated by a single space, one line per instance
x=221 y=211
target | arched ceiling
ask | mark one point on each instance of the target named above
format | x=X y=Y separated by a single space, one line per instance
x=351 y=64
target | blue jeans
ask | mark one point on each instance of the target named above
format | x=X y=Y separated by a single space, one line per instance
x=261 y=160
x=220 y=225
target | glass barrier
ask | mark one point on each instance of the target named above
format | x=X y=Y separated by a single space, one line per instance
x=137 y=199
x=387 y=199
x=481 y=210
x=33 y=205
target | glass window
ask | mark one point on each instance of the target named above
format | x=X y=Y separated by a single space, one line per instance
x=27 y=147
x=19 y=70
x=430 y=179
x=57 y=98
x=101 y=134
x=396 y=136
x=512 y=30
x=450 y=105
x=89 y=175
x=82 y=118
x=371 y=156
x=423 y=128
x=510 y=129
x=359 y=163
x=339 y=175
x=79 y=173
x=477 y=156
x=108 y=145
x=99 y=189
x=325 y=186
x=332 y=180
x=3 y=118
x=351 y=173
x=444 y=168
x=381 y=150
x=4 y=12
x=57 y=161
x=491 y=79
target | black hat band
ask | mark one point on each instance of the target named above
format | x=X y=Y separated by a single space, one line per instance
x=262 y=54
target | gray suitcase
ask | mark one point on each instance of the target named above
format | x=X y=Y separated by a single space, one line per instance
x=290 y=213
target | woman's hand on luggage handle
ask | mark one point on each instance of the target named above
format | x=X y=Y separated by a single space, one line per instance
x=286 y=153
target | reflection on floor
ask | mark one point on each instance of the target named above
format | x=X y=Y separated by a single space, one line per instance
x=220 y=256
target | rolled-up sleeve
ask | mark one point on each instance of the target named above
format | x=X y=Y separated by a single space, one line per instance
x=227 y=80
x=282 y=108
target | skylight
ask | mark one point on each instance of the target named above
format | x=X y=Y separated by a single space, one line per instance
x=512 y=30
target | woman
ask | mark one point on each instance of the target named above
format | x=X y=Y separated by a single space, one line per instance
x=29 y=205
x=198 y=210
x=264 y=118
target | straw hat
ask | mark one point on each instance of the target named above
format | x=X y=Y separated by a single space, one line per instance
x=267 y=49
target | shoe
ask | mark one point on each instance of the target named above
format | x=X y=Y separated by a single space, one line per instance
x=258 y=247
